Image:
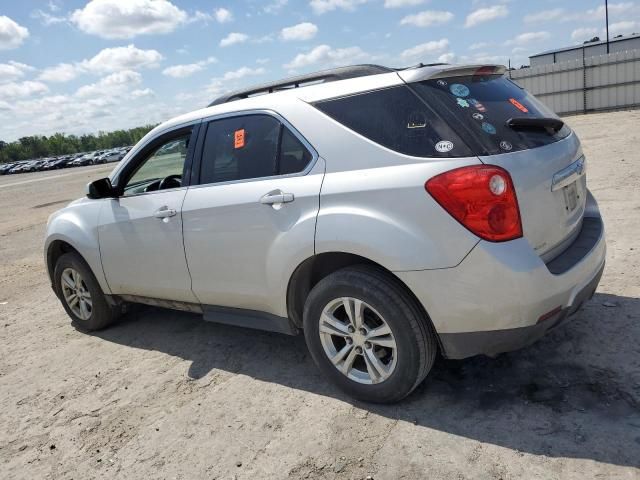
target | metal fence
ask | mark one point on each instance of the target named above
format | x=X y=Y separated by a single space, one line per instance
x=604 y=82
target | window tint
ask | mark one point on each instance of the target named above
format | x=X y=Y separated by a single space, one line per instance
x=252 y=146
x=479 y=107
x=166 y=160
x=294 y=157
x=397 y=119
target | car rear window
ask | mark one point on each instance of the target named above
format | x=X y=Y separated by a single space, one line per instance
x=478 y=108
x=398 y=119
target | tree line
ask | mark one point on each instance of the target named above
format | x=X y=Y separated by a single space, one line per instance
x=38 y=146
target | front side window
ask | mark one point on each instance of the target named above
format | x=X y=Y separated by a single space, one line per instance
x=162 y=168
x=250 y=146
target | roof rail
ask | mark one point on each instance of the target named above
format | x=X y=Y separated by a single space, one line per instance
x=324 y=76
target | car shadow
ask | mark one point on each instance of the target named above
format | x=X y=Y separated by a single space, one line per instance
x=575 y=393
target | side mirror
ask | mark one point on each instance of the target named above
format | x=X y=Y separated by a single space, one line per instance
x=100 y=189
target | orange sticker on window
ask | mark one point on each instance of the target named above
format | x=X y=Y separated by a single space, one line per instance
x=518 y=105
x=238 y=139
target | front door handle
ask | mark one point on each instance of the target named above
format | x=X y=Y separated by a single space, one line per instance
x=165 y=212
x=277 y=198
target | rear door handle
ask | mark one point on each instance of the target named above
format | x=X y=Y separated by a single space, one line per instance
x=165 y=212
x=276 y=198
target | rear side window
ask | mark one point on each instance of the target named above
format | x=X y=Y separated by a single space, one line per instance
x=478 y=108
x=398 y=119
x=250 y=146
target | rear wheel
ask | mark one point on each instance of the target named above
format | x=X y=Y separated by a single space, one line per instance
x=368 y=335
x=81 y=295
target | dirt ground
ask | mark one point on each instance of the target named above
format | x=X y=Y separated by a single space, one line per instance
x=166 y=395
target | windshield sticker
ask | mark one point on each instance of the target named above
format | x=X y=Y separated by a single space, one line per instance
x=459 y=90
x=518 y=105
x=417 y=120
x=444 y=146
x=238 y=139
x=442 y=83
x=477 y=105
x=506 y=146
x=487 y=127
x=478 y=116
x=463 y=103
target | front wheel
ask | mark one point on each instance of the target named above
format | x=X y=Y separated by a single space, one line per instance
x=81 y=295
x=368 y=335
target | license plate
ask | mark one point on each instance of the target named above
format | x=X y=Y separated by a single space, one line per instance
x=571 y=197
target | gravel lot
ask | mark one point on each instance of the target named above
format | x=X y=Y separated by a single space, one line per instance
x=166 y=395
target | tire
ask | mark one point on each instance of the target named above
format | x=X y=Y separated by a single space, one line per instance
x=101 y=314
x=386 y=301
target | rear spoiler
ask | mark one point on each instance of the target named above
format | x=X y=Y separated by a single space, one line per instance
x=433 y=73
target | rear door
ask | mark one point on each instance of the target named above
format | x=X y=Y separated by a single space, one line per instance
x=546 y=163
x=251 y=220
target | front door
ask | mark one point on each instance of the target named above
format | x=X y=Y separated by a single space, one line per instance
x=140 y=232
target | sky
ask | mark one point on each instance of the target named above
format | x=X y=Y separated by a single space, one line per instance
x=78 y=66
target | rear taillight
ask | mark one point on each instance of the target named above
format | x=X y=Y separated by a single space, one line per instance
x=481 y=198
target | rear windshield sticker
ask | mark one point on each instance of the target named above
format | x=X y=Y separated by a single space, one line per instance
x=478 y=116
x=459 y=90
x=442 y=83
x=477 y=105
x=238 y=139
x=487 y=127
x=444 y=146
x=506 y=146
x=417 y=120
x=463 y=103
x=518 y=105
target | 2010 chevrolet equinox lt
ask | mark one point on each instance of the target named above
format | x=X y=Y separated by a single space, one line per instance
x=388 y=214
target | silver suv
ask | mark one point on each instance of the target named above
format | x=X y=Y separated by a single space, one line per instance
x=389 y=214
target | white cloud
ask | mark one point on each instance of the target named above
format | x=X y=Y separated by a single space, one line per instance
x=11 y=71
x=545 y=15
x=234 y=38
x=323 y=6
x=482 y=15
x=222 y=15
x=47 y=18
x=301 y=31
x=114 y=19
x=427 y=18
x=11 y=34
x=242 y=73
x=528 y=38
x=275 y=6
x=115 y=84
x=324 y=54
x=624 y=27
x=479 y=45
x=402 y=3
x=220 y=84
x=63 y=72
x=584 y=33
x=146 y=92
x=122 y=58
x=426 y=49
x=448 y=57
x=13 y=90
x=182 y=71
x=615 y=10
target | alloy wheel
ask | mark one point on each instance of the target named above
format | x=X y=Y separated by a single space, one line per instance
x=358 y=340
x=76 y=293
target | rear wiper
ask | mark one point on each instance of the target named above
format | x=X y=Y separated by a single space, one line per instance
x=550 y=124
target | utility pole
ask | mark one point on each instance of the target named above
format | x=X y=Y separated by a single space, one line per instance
x=606 y=8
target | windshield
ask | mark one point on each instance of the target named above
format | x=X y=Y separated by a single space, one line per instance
x=478 y=107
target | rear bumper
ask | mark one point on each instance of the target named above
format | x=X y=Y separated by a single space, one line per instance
x=501 y=296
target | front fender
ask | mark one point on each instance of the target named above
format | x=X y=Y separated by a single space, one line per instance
x=77 y=225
